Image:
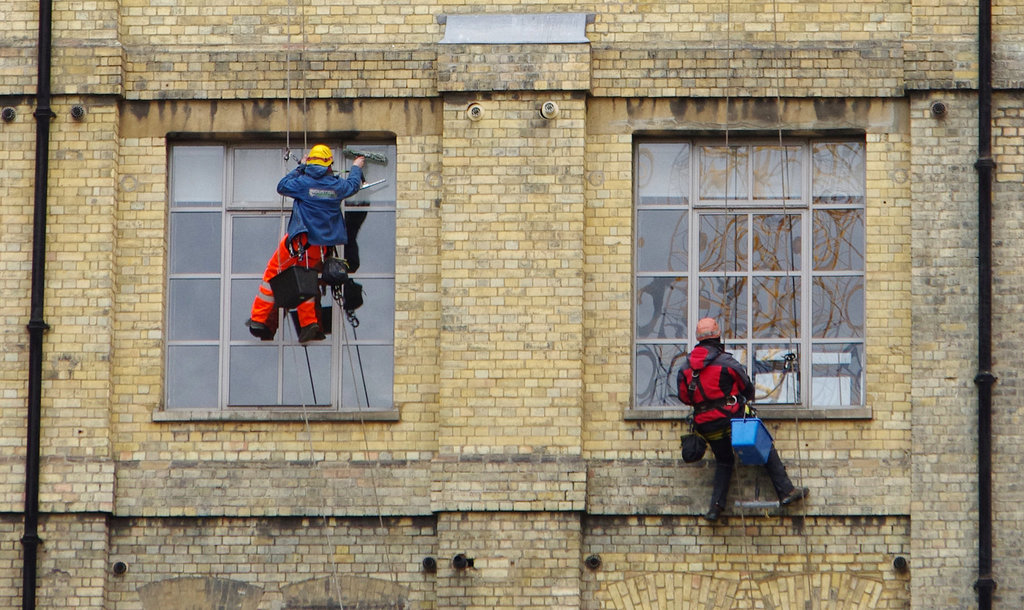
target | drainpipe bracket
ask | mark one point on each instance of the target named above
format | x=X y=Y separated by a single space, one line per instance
x=37 y=325
x=985 y=378
x=986 y=163
x=985 y=584
x=31 y=540
x=44 y=112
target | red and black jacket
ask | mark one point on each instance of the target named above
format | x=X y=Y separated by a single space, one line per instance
x=709 y=381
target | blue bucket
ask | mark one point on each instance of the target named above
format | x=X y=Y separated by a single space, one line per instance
x=751 y=440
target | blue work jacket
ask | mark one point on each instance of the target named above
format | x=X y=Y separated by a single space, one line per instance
x=316 y=209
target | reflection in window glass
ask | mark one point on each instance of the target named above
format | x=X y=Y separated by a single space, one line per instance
x=777 y=172
x=724 y=298
x=663 y=174
x=723 y=172
x=661 y=308
x=776 y=306
x=723 y=242
x=839 y=240
x=739 y=256
x=838 y=375
x=838 y=304
x=776 y=373
x=657 y=365
x=838 y=172
x=776 y=242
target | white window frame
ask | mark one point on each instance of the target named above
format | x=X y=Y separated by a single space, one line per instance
x=690 y=205
x=344 y=346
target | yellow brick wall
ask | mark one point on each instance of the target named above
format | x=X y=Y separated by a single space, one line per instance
x=515 y=440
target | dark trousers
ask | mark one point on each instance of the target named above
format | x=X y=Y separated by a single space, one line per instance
x=725 y=459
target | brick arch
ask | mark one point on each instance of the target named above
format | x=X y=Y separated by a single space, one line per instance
x=199 y=593
x=838 y=590
x=356 y=592
x=669 y=591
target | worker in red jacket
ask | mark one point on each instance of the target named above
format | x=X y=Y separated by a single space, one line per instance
x=718 y=388
x=316 y=223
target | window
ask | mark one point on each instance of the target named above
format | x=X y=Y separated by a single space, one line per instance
x=722 y=230
x=225 y=220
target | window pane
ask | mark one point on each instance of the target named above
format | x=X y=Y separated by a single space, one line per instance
x=661 y=308
x=253 y=241
x=839 y=240
x=375 y=238
x=385 y=193
x=838 y=172
x=253 y=375
x=256 y=173
x=194 y=309
x=723 y=242
x=197 y=176
x=376 y=316
x=192 y=377
x=723 y=172
x=307 y=375
x=243 y=292
x=776 y=244
x=663 y=173
x=725 y=299
x=776 y=373
x=367 y=376
x=770 y=181
x=838 y=306
x=662 y=240
x=655 y=373
x=776 y=307
x=195 y=242
x=837 y=373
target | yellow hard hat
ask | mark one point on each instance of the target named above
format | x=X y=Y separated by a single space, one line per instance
x=320 y=155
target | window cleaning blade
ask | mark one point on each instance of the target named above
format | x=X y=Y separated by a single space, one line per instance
x=369 y=184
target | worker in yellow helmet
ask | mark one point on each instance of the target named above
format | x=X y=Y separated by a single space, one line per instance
x=316 y=224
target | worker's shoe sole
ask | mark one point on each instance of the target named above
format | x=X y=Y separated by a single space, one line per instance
x=259 y=330
x=713 y=513
x=311 y=332
x=795 y=496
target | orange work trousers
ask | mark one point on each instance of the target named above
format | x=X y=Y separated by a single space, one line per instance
x=264 y=310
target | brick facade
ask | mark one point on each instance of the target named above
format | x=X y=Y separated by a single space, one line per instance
x=513 y=440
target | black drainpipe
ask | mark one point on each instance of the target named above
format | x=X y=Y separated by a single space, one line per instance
x=985 y=584
x=36 y=325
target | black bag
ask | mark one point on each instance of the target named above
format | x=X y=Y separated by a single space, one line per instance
x=294 y=285
x=352 y=295
x=335 y=271
x=693 y=446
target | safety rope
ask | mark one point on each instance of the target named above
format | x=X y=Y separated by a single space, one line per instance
x=353 y=344
x=792 y=262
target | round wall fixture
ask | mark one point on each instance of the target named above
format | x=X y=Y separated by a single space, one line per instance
x=549 y=110
x=78 y=112
x=8 y=114
x=475 y=112
x=939 y=109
